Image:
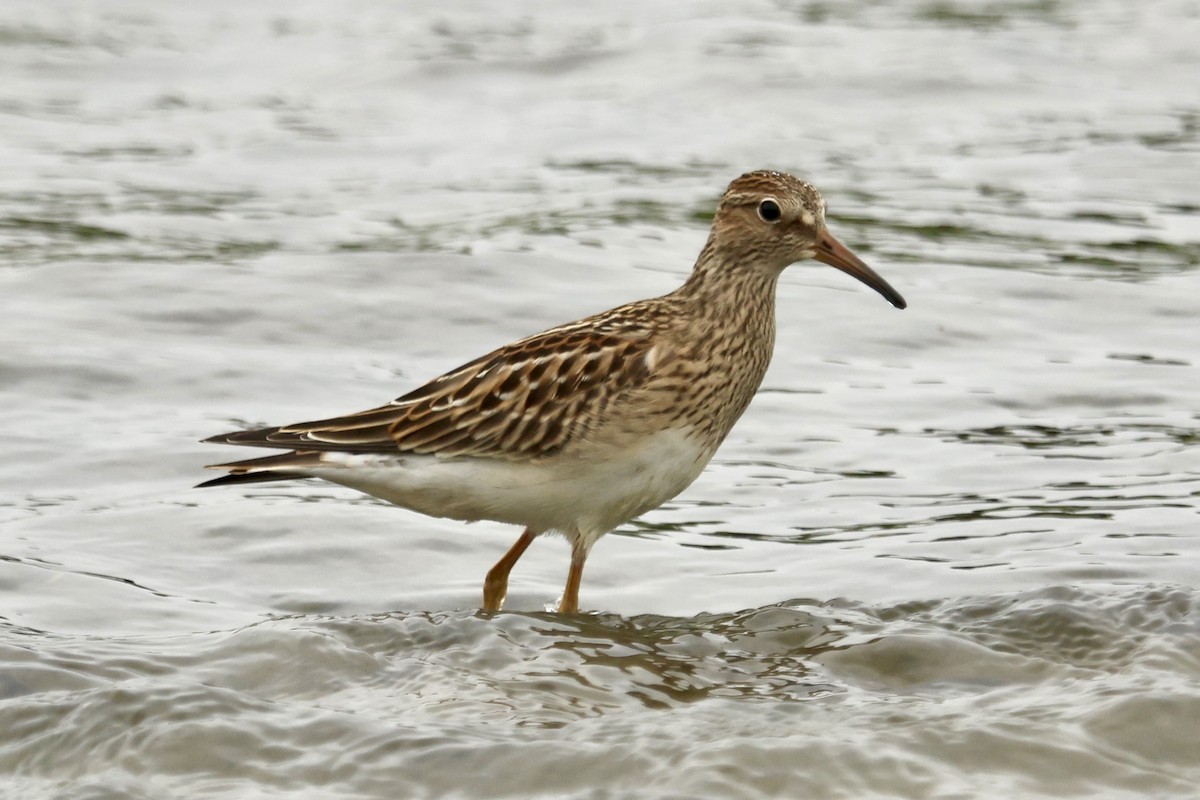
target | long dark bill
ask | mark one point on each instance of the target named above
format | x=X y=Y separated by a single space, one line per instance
x=832 y=252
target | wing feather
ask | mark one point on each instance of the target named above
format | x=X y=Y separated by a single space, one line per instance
x=523 y=401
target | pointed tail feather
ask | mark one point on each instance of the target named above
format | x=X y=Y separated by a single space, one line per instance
x=251 y=477
x=282 y=467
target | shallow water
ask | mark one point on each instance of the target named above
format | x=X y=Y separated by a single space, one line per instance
x=951 y=552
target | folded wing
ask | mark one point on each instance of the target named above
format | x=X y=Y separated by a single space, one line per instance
x=523 y=401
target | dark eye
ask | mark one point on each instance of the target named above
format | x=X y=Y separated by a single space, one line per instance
x=769 y=211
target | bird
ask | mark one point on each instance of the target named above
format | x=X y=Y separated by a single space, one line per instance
x=583 y=427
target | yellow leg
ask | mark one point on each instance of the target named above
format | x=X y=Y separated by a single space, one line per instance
x=570 y=598
x=495 y=586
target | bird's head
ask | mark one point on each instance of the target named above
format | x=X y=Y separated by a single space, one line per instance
x=770 y=220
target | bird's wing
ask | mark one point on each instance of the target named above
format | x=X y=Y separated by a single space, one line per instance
x=522 y=401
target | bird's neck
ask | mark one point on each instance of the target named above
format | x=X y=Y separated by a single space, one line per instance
x=730 y=333
x=731 y=288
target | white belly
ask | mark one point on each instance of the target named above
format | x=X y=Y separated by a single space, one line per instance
x=584 y=495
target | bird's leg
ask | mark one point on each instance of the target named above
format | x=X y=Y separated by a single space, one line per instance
x=570 y=599
x=495 y=585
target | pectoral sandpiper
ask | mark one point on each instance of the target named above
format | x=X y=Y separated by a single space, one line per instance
x=583 y=427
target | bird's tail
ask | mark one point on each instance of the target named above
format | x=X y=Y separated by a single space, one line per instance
x=282 y=467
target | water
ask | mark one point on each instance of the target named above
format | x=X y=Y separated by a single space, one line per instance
x=950 y=552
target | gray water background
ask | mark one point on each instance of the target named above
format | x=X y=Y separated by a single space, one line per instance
x=950 y=552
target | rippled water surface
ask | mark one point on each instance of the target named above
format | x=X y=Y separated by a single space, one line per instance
x=951 y=552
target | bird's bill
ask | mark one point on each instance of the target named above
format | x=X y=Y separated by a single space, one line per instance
x=832 y=252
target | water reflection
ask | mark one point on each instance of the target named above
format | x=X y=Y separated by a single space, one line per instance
x=547 y=669
x=365 y=700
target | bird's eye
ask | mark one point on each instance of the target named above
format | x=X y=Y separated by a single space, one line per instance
x=769 y=211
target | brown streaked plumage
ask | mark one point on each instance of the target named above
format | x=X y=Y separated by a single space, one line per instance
x=585 y=426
